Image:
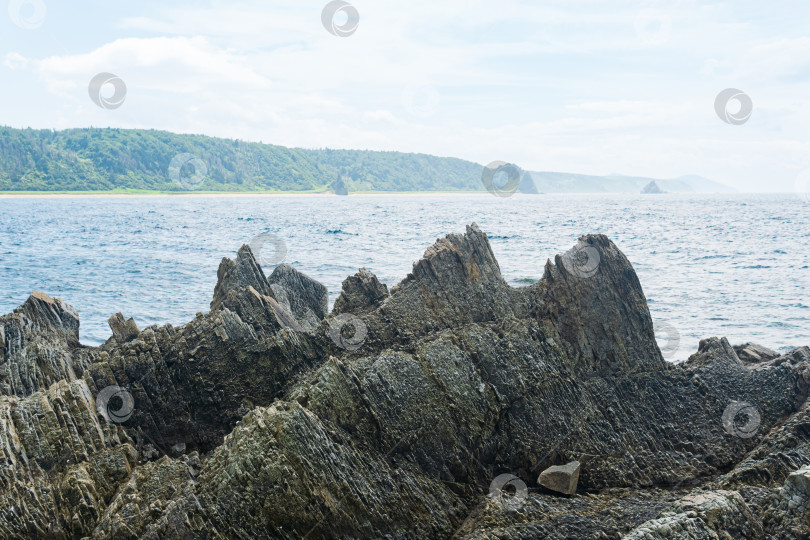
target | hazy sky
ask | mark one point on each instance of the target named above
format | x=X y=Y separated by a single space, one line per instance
x=580 y=86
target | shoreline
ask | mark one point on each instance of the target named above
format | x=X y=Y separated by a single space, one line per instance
x=114 y=194
x=100 y=194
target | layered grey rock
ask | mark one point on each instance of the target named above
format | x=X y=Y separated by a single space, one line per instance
x=307 y=299
x=361 y=292
x=36 y=344
x=751 y=352
x=251 y=421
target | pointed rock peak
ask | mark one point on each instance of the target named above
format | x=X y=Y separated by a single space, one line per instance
x=308 y=299
x=47 y=313
x=467 y=257
x=281 y=310
x=242 y=272
x=457 y=282
x=124 y=330
x=717 y=352
x=586 y=257
x=594 y=297
x=361 y=293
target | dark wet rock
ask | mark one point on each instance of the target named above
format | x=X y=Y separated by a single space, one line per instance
x=252 y=420
x=561 y=478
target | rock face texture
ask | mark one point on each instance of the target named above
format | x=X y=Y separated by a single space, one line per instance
x=124 y=330
x=258 y=420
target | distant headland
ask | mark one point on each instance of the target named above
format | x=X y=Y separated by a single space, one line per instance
x=143 y=162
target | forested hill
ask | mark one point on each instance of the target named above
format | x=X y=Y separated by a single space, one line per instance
x=132 y=159
x=109 y=159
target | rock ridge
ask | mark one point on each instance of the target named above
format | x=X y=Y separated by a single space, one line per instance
x=401 y=414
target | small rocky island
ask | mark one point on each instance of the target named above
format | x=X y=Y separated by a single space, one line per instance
x=652 y=189
x=452 y=406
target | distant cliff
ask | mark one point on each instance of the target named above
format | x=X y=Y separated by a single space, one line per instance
x=560 y=182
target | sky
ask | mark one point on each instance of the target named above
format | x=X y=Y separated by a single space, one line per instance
x=592 y=87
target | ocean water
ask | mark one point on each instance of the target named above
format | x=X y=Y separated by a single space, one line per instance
x=710 y=265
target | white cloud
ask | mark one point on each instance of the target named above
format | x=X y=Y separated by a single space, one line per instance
x=560 y=85
x=15 y=61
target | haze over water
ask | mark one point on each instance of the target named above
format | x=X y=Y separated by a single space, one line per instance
x=710 y=265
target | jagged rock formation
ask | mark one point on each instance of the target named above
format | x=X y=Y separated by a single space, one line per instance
x=360 y=293
x=35 y=342
x=256 y=420
x=124 y=330
x=751 y=352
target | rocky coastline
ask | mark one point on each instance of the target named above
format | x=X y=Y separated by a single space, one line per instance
x=451 y=406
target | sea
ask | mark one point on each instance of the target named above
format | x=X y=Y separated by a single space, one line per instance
x=710 y=265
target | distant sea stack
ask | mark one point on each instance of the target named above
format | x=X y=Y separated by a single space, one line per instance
x=527 y=185
x=451 y=406
x=652 y=188
x=339 y=187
